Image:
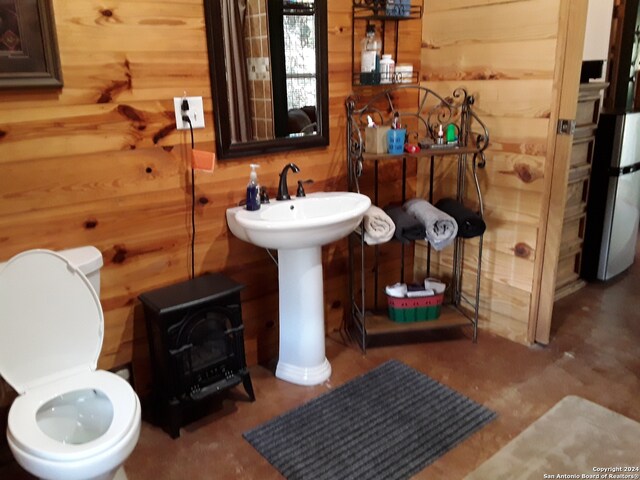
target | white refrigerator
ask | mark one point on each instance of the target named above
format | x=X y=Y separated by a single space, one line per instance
x=613 y=209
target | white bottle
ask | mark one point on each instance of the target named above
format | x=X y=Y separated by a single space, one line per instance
x=387 y=69
x=404 y=73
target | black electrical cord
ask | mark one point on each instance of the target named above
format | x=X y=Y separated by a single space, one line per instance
x=185 y=118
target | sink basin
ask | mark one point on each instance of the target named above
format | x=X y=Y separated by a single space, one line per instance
x=314 y=220
x=297 y=229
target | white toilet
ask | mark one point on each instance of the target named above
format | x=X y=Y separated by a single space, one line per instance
x=70 y=421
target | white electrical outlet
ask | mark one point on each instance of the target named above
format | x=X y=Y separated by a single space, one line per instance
x=195 y=112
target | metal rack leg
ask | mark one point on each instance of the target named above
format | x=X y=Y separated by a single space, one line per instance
x=477 y=303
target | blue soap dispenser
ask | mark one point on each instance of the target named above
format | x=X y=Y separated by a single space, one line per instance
x=253 y=189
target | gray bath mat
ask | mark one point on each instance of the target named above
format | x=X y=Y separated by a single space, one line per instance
x=387 y=424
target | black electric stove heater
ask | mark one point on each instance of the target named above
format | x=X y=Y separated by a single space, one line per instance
x=196 y=342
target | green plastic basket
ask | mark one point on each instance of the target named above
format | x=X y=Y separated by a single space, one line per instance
x=417 y=309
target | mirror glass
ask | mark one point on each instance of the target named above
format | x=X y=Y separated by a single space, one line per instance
x=268 y=66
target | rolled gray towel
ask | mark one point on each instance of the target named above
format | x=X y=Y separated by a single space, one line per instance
x=470 y=224
x=408 y=227
x=441 y=228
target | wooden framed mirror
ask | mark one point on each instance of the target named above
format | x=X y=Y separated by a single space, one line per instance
x=268 y=67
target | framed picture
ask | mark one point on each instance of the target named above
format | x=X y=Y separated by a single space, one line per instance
x=28 y=45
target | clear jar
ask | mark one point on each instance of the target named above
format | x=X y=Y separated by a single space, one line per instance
x=371 y=47
x=387 y=69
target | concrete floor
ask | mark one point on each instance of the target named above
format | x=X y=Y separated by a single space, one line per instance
x=594 y=353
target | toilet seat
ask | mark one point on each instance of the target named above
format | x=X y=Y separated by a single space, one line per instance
x=24 y=431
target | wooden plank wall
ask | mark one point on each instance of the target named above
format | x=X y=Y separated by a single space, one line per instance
x=503 y=52
x=99 y=162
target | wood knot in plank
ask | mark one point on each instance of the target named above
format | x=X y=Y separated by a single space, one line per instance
x=522 y=250
x=121 y=254
x=163 y=132
x=131 y=113
x=487 y=76
x=90 y=223
x=116 y=87
x=107 y=15
x=168 y=148
x=525 y=172
x=430 y=46
x=336 y=304
x=203 y=200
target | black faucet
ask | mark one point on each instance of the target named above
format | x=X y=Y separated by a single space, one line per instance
x=283 y=189
x=301 y=184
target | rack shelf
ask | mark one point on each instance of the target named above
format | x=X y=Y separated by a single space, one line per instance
x=387 y=14
x=379 y=323
x=377 y=10
x=398 y=79
x=432 y=110
x=424 y=153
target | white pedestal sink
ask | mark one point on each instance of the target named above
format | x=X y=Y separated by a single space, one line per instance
x=297 y=229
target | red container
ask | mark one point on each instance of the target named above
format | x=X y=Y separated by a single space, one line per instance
x=415 y=309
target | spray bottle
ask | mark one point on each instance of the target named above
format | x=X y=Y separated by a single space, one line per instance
x=253 y=189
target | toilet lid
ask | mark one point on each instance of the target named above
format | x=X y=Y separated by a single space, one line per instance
x=51 y=321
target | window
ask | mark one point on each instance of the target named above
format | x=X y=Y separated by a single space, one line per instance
x=300 y=52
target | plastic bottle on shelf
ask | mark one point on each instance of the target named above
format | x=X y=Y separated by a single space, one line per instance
x=371 y=46
x=253 y=189
x=404 y=73
x=387 y=69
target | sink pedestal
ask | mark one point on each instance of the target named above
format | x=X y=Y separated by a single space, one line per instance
x=302 y=352
x=298 y=229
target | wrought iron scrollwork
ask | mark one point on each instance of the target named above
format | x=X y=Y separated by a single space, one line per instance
x=424 y=121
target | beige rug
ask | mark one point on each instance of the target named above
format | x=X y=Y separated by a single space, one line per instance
x=572 y=440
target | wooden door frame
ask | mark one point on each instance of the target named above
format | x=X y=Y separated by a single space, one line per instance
x=566 y=83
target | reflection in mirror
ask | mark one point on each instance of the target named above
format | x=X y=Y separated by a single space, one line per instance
x=268 y=64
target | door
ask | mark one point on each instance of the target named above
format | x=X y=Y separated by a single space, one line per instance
x=573 y=19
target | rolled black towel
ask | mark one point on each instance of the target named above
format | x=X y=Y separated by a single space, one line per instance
x=470 y=224
x=408 y=227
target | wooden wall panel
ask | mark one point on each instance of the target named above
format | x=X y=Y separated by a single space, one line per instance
x=504 y=53
x=99 y=162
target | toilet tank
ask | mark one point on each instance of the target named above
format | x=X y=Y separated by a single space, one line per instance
x=88 y=260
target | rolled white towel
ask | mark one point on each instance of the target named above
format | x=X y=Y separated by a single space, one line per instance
x=398 y=290
x=434 y=284
x=420 y=293
x=378 y=226
x=441 y=227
